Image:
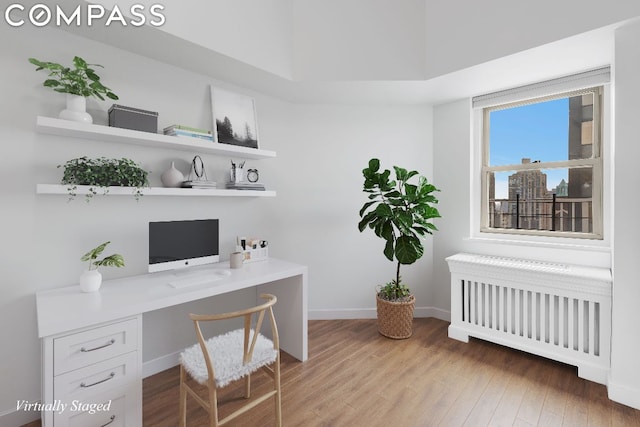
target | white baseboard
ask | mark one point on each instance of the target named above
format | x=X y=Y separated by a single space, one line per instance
x=370 y=313
x=162 y=363
x=18 y=418
x=623 y=394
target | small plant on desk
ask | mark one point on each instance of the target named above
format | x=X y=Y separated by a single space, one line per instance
x=91 y=278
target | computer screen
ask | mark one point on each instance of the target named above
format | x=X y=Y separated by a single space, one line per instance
x=180 y=244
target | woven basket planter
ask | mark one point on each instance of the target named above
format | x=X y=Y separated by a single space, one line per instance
x=395 y=319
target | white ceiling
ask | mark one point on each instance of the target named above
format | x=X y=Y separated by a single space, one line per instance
x=580 y=52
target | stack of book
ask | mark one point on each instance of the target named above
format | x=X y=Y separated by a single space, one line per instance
x=199 y=184
x=189 y=132
x=245 y=186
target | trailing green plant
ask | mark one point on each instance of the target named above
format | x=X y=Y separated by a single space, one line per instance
x=114 y=260
x=80 y=80
x=401 y=213
x=104 y=173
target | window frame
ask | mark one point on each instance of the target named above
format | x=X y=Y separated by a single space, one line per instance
x=595 y=162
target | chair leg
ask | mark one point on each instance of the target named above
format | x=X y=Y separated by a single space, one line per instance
x=247 y=386
x=277 y=397
x=213 y=407
x=182 y=417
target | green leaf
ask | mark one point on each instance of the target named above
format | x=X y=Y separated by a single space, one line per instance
x=115 y=260
x=383 y=210
x=401 y=173
x=411 y=174
x=374 y=165
x=366 y=220
x=365 y=207
x=79 y=62
x=95 y=252
x=388 y=250
x=408 y=249
x=387 y=231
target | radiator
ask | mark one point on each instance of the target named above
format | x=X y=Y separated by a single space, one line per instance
x=558 y=311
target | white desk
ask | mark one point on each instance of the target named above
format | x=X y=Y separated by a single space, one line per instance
x=92 y=342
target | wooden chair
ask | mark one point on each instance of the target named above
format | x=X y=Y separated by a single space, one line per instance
x=226 y=358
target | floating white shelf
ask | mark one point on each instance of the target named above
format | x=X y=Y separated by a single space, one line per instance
x=82 y=190
x=68 y=128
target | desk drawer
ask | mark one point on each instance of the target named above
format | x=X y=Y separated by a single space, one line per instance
x=94 y=345
x=108 y=411
x=120 y=373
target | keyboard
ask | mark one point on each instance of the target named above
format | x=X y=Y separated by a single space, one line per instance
x=199 y=279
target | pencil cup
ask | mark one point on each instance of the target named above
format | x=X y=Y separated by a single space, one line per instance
x=236 y=260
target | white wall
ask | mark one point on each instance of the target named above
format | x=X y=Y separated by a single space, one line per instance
x=453 y=148
x=313 y=220
x=624 y=385
x=320 y=195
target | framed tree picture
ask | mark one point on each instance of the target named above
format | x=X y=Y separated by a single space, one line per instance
x=234 y=118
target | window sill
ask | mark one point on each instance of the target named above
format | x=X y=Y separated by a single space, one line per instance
x=542 y=242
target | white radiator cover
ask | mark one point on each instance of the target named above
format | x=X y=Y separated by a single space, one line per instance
x=558 y=311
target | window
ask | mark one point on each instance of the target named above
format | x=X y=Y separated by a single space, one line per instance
x=541 y=162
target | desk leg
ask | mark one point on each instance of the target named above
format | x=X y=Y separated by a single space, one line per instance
x=291 y=313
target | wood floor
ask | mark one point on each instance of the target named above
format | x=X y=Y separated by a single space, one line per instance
x=355 y=377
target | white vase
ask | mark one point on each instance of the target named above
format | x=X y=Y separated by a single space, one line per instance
x=76 y=109
x=90 y=280
x=172 y=177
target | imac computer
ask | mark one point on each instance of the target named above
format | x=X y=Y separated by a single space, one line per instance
x=179 y=244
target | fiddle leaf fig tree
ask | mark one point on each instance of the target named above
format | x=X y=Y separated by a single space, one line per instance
x=401 y=213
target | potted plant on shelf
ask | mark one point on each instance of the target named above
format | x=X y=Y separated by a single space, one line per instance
x=78 y=83
x=400 y=213
x=91 y=278
x=103 y=172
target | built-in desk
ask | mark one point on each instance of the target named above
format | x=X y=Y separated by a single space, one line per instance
x=92 y=342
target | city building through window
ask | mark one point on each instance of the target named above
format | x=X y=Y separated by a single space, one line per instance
x=542 y=164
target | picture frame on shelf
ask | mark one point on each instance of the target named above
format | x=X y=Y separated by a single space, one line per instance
x=234 y=118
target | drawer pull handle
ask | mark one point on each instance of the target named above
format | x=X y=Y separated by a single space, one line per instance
x=111 y=375
x=86 y=350
x=112 y=419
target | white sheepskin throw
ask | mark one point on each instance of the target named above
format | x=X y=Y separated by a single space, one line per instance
x=226 y=353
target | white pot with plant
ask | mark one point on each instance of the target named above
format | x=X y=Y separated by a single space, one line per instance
x=78 y=83
x=91 y=278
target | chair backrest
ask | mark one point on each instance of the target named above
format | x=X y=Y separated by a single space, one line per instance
x=249 y=338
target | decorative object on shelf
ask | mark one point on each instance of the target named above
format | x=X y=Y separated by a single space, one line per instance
x=103 y=172
x=198 y=175
x=79 y=82
x=236 y=173
x=172 y=177
x=236 y=178
x=133 y=118
x=401 y=214
x=234 y=118
x=188 y=132
x=252 y=175
x=245 y=186
x=91 y=278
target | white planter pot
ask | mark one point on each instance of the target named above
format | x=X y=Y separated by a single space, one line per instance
x=76 y=110
x=90 y=281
